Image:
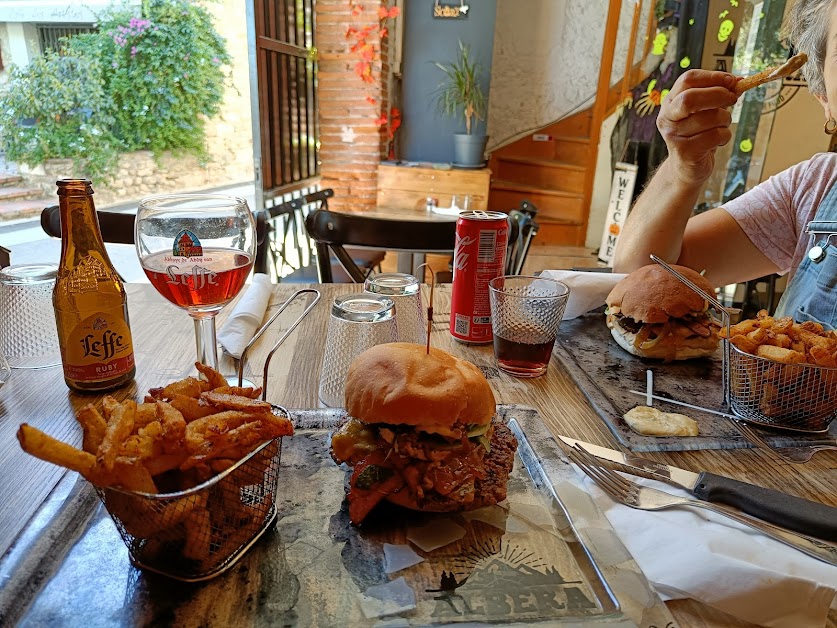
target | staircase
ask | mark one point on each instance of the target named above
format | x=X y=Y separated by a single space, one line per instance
x=17 y=200
x=550 y=169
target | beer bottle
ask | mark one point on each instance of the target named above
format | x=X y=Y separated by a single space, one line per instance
x=91 y=307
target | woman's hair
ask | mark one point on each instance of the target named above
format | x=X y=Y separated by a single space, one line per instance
x=807 y=29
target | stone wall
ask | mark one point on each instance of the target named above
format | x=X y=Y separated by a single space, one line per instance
x=229 y=138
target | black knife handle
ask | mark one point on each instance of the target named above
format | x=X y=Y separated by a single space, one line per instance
x=781 y=509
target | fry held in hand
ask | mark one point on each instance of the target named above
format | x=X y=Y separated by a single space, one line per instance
x=771 y=74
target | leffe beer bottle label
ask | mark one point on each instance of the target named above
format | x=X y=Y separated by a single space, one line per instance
x=99 y=347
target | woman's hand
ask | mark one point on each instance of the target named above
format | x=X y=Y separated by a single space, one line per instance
x=694 y=122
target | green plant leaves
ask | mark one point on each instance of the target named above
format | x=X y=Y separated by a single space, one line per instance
x=146 y=82
x=460 y=93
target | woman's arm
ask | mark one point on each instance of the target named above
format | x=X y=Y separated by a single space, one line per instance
x=693 y=121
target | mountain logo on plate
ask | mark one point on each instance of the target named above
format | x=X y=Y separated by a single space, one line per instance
x=511 y=584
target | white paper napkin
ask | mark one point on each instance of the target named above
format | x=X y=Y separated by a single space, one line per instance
x=588 y=290
x=246 y=316
x=692 y=553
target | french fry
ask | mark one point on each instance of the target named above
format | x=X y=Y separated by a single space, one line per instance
x=120 y=426
x=191 y=408
x=778 y=354
x=253 y=393
x=198 y=535
x=94 y=427
x=213 y=377
x=174 y=427
x=34 y=442
x=235 y=402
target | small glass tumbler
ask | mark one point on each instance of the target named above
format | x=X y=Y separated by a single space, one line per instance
x=405 y=291
x=358 y=322
x=525 y=315
x=28 y=335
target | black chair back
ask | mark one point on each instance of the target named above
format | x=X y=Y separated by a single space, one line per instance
x=522 y=230
x=332 y=232
x=283 y=240
x=115 y=227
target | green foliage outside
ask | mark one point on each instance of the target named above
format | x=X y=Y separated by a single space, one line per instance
x=141 y=82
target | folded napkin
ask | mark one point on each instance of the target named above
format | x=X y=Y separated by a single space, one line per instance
x=697 y=554
x=447 y=211
x=246 y=316
x=588 y=290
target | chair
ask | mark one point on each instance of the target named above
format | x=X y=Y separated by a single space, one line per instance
x=286 y=242
x=522 y=230
x=5 y=257
x=115 y=227
x=333 y=232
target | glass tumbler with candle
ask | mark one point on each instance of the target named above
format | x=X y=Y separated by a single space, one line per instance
x=357 y=322
x=405 y=291
x=525 y=315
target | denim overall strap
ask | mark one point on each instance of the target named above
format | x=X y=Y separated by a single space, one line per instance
x=812 y=293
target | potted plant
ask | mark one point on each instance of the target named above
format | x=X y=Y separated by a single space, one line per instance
x=460 y=93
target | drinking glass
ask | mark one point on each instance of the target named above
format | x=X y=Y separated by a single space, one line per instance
x=357 y=322
x=405 y=291
x=197 y=250
x=28 y=335
x=5 y=369
x=525 y=315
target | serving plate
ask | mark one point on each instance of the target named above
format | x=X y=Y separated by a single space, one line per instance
x=546 y=555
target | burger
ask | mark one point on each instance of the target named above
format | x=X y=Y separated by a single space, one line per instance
x=652 y=314
x=420 y=433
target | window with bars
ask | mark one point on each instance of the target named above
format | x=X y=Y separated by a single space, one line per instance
x=51 y=35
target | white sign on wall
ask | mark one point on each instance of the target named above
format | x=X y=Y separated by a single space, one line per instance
x=621 y=193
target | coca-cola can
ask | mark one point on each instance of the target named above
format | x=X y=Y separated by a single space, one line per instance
x=479 y=256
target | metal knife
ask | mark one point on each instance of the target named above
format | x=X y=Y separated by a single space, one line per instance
x=787 y=511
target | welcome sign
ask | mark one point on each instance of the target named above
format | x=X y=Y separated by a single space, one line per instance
x=621 y=193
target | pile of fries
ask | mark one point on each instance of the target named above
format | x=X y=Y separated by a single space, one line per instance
x=782 y=340
x=786 y=388
x=178 y=438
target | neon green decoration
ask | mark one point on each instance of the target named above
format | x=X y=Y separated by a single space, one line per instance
x=691 y=21
x=725 y=30
x=746 y=145
x=660 y=43
x=723 y=14
x=734 y=2
x=685 y=62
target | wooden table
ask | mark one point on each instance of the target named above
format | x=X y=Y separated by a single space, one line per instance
x=164 y=343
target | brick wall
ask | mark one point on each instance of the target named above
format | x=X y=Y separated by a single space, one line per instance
x=351 y=144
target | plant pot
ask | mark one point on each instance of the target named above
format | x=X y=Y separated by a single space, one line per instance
x=469 y=150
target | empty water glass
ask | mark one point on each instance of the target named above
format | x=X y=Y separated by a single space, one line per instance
x=28 y=335
x=357 y=322
x=405 y=291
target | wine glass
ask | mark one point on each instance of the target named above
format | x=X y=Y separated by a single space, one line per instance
x=197 y=250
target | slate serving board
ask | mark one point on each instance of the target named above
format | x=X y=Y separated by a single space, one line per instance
x=605 y=373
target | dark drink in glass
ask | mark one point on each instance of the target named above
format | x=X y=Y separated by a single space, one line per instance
x=525 y=315
x=522 y=359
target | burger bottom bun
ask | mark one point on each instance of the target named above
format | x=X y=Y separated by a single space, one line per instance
x=487 y=492
x=697 y=347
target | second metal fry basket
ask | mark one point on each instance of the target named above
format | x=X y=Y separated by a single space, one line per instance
x=799 y=397
x=201 y=532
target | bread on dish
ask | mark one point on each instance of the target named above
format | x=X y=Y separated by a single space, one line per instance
x=652 y=314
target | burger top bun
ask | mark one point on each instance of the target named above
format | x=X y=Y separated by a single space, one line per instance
x=651 y=294
x=400 y=383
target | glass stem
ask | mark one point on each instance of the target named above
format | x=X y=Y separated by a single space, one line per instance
x=205 y=340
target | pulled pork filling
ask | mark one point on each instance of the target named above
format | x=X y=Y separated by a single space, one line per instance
x=698 y=325
x=389 y=458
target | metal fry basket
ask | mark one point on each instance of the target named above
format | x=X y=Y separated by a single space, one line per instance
x=201 y=532
x=799 y=397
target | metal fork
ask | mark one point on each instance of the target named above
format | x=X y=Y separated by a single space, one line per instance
x=645 y=498
x=797 y=455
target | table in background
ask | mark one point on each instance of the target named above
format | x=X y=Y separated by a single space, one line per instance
x=164 y=348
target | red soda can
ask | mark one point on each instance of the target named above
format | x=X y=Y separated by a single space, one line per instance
x=479 y=256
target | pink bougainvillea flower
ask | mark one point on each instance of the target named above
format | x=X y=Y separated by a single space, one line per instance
x=383 y=33
x=394 y=12
x=381 y=121
x=371 y=100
